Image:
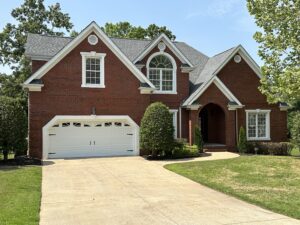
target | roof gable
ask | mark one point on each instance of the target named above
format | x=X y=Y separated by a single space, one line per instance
x=220 y=85
x=93 y=27
x=169 y=44
x=214 y=65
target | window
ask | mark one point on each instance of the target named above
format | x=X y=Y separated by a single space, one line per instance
x=258 y=124
x=162 y=72
x=93 y=69
x=174 y=114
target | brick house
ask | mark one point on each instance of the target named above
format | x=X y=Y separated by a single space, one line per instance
x=87 y=95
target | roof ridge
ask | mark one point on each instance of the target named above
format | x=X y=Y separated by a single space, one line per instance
x=225 y=51
x=193 y=49
x=49 y=35
x=134 y=39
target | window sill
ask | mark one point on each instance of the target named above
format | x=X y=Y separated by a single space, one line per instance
x=165 y=92
x=92 y=86
x=258 y=139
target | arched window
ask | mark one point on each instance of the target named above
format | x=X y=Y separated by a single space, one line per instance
x=162 y=72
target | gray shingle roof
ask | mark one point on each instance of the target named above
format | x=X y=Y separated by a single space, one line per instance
x=46 y=47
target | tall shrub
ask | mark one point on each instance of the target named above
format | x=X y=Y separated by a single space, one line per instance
x=13 y=126
x=198 y=139
x=242 y=141
x=157 y=131
x=295 y=129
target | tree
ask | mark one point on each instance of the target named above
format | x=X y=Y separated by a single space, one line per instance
x=13 y=126
x=198 y=139
x=242 y=141
x=279 y=48
x=32 y=17
x=157 y=130
x=126 y=30
x=295 y=129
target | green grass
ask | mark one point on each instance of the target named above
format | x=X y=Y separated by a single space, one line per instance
x=272 y=182
x=295 y=152
x=20 y=194
x=10 y=156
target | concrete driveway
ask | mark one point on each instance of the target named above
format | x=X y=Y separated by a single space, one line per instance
x=131 y=190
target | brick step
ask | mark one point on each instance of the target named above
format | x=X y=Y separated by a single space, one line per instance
x=214 y=148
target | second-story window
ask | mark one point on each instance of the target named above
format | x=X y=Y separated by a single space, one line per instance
x=92 y=70
x=162 y=74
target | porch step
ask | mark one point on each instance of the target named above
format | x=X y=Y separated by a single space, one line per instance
x=214 y=148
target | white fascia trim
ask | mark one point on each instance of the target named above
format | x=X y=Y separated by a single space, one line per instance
x=244 y=54
x=60 y=118
x=101 y=56
x=174 y=74
x=170 y=45
x=33 y=87
x=268 y=133
x=146 y=90
x=226 y=91
x=284 y=108
x=221 y=87
x=93 y=27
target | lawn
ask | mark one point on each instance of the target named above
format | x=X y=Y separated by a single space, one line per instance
x=20 y=194
x=272 y=182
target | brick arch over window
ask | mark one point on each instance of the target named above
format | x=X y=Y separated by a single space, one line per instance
x=161 y=71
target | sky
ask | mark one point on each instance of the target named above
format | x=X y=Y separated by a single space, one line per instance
x=210 y=26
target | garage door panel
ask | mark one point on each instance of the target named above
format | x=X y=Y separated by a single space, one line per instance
x=88 y=139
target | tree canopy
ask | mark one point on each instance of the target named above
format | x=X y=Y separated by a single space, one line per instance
x=279 y=40
x=31 y=17
x=127 y=30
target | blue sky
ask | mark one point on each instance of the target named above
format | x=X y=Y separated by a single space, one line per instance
x=211 y=26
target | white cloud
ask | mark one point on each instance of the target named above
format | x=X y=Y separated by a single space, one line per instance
x=217 y=8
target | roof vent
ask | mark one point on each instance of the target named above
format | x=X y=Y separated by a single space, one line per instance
x=237 y=58
x=92 y=39
x=161 y=46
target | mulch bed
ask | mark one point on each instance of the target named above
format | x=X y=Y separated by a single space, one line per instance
x=20 y=161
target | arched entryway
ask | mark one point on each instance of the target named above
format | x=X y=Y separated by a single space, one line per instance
x=212 y=123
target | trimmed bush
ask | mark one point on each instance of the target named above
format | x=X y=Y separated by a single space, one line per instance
x=270 y=148
x=157 y=131
x=183 y=150
x=13 y=126
x=242 y=141
x=295 y=129
x=198 y=139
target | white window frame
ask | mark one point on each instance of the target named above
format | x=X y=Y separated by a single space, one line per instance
x=174 y=114
x=267 y=112
x=100 y=56
x=174 y=72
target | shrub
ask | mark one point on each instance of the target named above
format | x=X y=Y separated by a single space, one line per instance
x=183 y=150
x=270 y=148
x=198 y=139
x=157 y=130
x=295 y=129
x=242 y=141
x=13 y=126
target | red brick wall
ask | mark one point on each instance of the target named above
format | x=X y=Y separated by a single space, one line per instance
x=213 y=95
x=62 y=93
x=171 y=100
x=36 y=64
x=241 y=80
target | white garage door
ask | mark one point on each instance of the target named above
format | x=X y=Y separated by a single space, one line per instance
x=91 y=139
